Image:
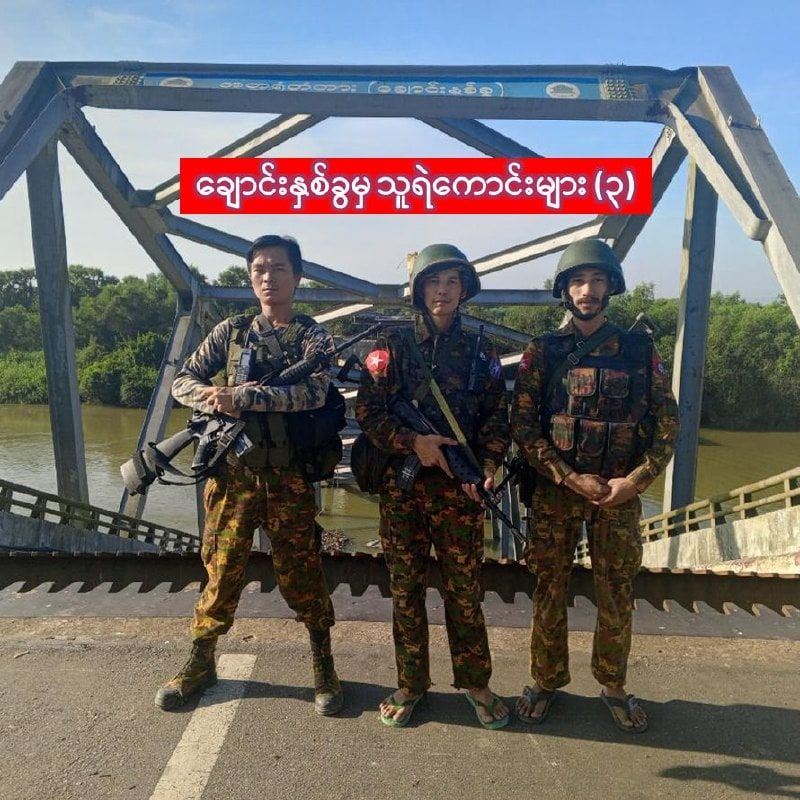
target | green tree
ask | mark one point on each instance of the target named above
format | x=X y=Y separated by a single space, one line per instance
x=23 y=378
x=123 y=310
x=234 y=276
x=18 y=288
x=19 y=329
x=87 y=282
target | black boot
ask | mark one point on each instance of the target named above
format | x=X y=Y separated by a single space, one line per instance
x=328 y=697
x=198 y=673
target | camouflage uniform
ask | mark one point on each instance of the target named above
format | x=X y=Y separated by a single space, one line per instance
x=276 y=496
x=645 y=430
x=436 y=512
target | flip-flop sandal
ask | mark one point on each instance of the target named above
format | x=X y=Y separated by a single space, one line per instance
x=489 y=708
x=627 y=705
x=411 y=704
x=533 y=699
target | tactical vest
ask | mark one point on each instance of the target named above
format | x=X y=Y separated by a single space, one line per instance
x=268 y=431
x=598 y=415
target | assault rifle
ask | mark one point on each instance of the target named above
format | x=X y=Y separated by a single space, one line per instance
x=216 y=434
x=460 y=459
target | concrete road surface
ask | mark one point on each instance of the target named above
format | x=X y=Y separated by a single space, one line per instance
x=78 y=720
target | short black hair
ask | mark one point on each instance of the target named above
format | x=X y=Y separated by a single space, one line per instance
x=273 y=240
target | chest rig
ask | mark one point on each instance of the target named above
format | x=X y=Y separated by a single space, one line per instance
x=598 y=415
x=268 y=431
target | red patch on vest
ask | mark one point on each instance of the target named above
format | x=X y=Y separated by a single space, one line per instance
x=377 y=362
x=525 y=362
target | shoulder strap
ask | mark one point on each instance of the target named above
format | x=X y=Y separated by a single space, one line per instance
x=582 y=348
x=270 y=338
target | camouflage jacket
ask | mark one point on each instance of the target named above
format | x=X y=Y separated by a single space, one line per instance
x=211 y=358
x=392 y=369
x=536 y=444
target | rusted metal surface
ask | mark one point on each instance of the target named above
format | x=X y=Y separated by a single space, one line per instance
x=659 y=587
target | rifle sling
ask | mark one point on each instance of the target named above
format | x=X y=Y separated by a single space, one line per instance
x=430 y=385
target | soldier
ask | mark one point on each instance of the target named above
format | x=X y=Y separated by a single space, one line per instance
x=436 y=510
x=266 y=486
x=594 y=416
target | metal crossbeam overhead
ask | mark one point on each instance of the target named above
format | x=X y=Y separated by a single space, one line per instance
x=482 y=138
x=259 y=141
x=752 y=151
x=229 y=243
x=543 y=246
x=667 y=156
x=343 y=311
x=165 y=98
x=495 y=330
x=305 y=294
x=749 y=216
x=24 y=93
x=88 y=150
x=28 y=146
x=466 y=92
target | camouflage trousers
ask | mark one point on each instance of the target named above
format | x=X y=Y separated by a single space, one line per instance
x=282 y=501
x=616 y=551
x=438 y=513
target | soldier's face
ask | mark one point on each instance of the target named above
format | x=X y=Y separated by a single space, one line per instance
x=587 y=288
x=442 y=293
x=272 y=277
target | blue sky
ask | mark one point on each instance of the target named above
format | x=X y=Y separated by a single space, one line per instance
x=759 y=44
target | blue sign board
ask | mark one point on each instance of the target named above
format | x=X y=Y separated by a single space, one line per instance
x=524 y=87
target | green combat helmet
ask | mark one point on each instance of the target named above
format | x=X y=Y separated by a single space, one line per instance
x=589 y=253
x=436 y=257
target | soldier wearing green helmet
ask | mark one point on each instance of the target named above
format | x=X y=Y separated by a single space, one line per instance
x=436 y=510
x=595 y=418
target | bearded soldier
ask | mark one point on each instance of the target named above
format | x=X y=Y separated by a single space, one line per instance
x=435 y=509
x=593 y=414
x=269 y=485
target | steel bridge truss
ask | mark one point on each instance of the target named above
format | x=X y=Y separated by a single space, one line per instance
x=701 y=114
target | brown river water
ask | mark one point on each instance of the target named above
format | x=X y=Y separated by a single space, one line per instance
x=727 y=459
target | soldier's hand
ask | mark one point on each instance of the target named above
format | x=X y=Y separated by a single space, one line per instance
x=592 y=487
x=429 y=451
x=220 y=398
x=471 y=490
x=621 y=490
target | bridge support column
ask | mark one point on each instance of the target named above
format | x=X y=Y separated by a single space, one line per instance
x=184 y=338
x=58 y=338
x=697 y=262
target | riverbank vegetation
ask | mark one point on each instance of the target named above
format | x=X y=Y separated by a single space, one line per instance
x=752 y=376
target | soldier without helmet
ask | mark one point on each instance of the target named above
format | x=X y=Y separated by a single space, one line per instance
x=269 y=485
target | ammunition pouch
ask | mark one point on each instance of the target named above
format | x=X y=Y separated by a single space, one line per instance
x=368 y=464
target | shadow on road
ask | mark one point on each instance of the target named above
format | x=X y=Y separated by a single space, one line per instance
x=742 y=731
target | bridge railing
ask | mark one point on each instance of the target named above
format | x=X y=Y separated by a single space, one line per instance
x=36 y=504
x=770 y=494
